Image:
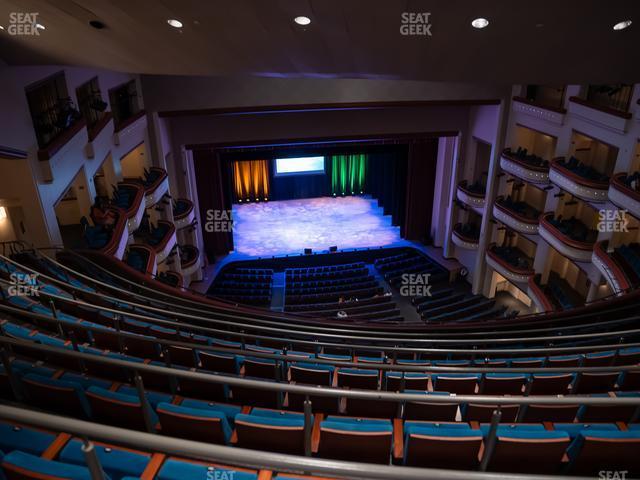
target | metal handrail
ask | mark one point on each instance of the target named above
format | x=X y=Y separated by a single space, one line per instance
x=255 y=459
x=396 y=341
x=383 y=365
x=255 y=326
x=319 y=391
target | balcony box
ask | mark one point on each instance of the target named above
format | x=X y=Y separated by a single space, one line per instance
x=573 y=249
x=542 y=112
x=518 y=167
x=588 y=190
x=514 y=220
x=604 y=117
x=609 y=268
x=156 y=185
x=99 y=137
x=135 y=211
x=624 y=196
x=167 y=243
x=537 y=295
x=147 y=256
x=462 y=240
x=67 y=143
x=131 y=132
x=119 y=237
x=506 y=269
x=183 y=213
x=472 y=199
x=189 y=260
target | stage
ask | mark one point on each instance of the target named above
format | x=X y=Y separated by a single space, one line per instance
x=266 y=229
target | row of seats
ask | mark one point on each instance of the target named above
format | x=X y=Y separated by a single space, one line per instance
x=583 y=170
x=523 y=155
x=251 y=286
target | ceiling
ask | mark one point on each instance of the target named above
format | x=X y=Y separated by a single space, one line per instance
x=527 y=41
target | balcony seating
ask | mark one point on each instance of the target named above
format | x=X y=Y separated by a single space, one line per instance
x=522 y=209
x=628 y=257
x=468 y=230
x=593 y=451
x=587 y=172
x=272 y=430
x=523 y=156
x=367 y=440
x=203 y=424
x=441 y=445
x=514 y=257
x=574 y=229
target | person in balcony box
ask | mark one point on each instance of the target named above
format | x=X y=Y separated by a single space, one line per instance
x=102 y=215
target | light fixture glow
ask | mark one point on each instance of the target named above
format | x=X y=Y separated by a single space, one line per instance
x=174 y=23
x=40 y=26
x=622 y=25
x=480 y=23
x=3 y=211
x=1 y=27
x=302 y=20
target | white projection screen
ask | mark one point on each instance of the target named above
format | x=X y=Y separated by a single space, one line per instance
x=299 y=166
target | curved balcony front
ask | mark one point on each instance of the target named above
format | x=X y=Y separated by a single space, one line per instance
x=622 y=195
x=162 y=240
x=537 y=295
x=129 y=198
x=508 y=269
x=578 y=186
x=183 y=213
x=518 y=166
x=577 y=250
x=611 y=271
x=189 y=260
x=113 y=242
x=471 y=197
x=525 y=221
x=463 y=240
x=142 y=258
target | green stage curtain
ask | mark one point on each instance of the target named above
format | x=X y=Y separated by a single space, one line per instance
x=251 y=179
x=348 y=173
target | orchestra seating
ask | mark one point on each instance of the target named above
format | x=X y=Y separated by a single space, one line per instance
x=251 y=286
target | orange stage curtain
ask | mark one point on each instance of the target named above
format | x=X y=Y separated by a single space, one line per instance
x=251 y=179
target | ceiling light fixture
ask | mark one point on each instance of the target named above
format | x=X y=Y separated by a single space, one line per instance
x=174 y=23
x=480 y=23
x=1 y=27
x=302 y=20
x=622 y=25
x=40 y=26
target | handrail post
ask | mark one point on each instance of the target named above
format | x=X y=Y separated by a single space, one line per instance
x=117 y=325
x=308 y=425
x=74 y=343
x=13 y=382
x=146 y=408
x=93 y=462
x=173 y=382
x=636 y=415
x=490 y=444
x=55 y=315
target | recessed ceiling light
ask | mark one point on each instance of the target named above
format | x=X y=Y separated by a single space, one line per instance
x=622 y=25
x=40 y=26
x=480 y=23
x=302 y=20
x=97 y=24
x=1 y=27
x=174 y=23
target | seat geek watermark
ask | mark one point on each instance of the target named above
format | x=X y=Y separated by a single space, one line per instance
x=415 y=285
x=615 y=221
x=213 y=474
x=415 y=24
x=218 y=221
x=613 y=474
x=23 y=23
x=23 y=285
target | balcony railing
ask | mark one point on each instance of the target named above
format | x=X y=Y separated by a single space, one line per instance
x=517 y=267
x=530 y=168
x=623 y=195
x=523 y=220
x=465 y=238
x=614 y=97
x=536 y=293
x=609 y=268
x=471 y=195
x=579 y=180
x=576 y=249
x=183 y=213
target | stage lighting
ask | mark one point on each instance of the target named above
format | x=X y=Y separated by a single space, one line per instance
x=353 y=193
x=239 y=200
x=266 y=199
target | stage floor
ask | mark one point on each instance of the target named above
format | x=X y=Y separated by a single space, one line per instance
x=290 y=226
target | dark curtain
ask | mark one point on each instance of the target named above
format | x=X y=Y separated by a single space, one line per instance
x=387 y=182
x=214 y=183
x=421 y=176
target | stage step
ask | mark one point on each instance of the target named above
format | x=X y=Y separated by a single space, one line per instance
x=277 y=291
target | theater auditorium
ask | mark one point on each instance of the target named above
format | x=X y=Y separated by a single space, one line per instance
x=319 y=239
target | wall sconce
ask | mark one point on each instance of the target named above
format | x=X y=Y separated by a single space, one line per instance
x=3 y=213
